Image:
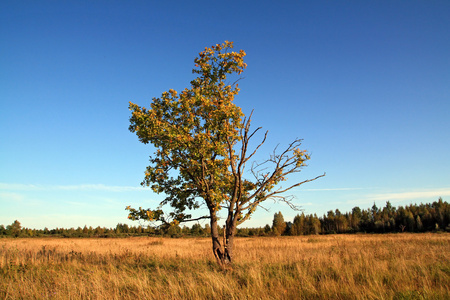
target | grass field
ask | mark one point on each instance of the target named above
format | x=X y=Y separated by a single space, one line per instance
x=394 y=266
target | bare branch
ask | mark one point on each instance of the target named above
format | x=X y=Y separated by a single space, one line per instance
x=196 y=219
x=260 y=144
x=239 y=79
x=252 y=205
x=295 y=185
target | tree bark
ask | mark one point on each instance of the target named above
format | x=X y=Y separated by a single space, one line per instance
x=217 y=247
x=230 y=232
x=229 y=247
x=223 y=252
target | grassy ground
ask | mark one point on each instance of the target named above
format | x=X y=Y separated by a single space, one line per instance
x=397 y=266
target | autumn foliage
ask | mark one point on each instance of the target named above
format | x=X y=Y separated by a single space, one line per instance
x=201 y=140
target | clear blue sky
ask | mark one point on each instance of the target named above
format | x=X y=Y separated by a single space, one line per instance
x=366 y=84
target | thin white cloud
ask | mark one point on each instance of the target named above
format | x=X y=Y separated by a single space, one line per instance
x=18 y=187
x=9 y=196
x=99 y=187
x=403 y=197
x=331 y=189
x=410 y=195
x=81 y=187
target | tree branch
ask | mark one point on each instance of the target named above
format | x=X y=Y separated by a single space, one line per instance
x=196 y=219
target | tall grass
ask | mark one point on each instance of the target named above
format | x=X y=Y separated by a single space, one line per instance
x=397 y=266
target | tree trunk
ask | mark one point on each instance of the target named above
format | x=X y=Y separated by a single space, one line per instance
x=217 y=247
x=223 y=252
x=229 y=247
x=229 y=233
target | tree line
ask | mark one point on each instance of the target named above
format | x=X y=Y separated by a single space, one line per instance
x=388 y=219
x=412 y=218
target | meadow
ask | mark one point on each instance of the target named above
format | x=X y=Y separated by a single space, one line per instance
x=390 y=266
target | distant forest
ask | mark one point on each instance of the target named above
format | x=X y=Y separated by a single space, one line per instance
x=432 y=217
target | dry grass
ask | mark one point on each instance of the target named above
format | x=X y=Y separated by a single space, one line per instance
x=397 y=266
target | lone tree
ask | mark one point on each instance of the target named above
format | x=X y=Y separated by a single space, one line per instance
x=201 y=141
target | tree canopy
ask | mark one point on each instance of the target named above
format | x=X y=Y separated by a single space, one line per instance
x=201 y=139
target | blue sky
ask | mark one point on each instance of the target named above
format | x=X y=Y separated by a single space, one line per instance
x=365 y=84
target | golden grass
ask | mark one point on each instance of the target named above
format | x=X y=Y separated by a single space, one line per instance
x=394 y=266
